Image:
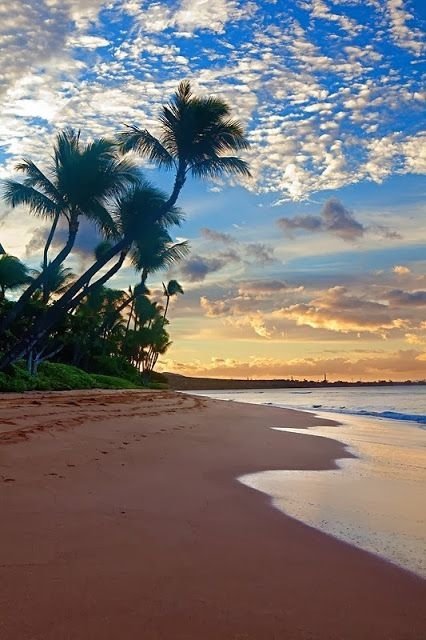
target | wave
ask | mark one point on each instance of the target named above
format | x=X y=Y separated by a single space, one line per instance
x=388 y=415
x=392 y=415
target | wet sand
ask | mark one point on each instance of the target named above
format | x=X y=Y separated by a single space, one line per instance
x=122 y=517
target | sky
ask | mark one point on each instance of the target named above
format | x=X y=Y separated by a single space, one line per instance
x=317 y=263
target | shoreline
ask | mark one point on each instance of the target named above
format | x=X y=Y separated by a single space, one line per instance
x=372 y=500
x=123 y=511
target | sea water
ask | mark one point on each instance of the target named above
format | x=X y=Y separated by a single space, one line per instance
x=376 y=501
x=398 y=402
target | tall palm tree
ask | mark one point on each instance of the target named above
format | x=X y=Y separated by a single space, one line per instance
x=79 y=180
x=196 y=133
x=160 y=345
x=171 y=289
x=13 y=274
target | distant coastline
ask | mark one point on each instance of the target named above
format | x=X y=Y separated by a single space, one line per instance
x=183 y=383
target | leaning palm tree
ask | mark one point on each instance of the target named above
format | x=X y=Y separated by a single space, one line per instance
x=79 y=180
x=171 y=289
x=13 y=274
x=196 y=134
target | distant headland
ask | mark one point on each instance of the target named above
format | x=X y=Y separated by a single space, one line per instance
x=180 y=382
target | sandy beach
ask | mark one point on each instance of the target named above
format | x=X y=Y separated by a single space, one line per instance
x=122 y=518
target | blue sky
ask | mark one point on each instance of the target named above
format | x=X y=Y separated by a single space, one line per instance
x=318 y=261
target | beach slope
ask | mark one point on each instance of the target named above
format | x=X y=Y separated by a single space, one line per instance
x=122 y=517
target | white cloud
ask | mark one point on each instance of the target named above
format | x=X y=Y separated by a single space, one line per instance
x=408 y=37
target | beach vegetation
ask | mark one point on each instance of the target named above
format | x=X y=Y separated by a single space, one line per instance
x=67 y=319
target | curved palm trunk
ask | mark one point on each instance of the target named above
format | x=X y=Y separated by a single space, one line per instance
x=20 y=304
x=99 y=283
x=177 y=187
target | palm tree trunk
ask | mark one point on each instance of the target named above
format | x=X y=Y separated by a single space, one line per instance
x=166 y=308
x=20 y=304
x=129 y=319
x=113 y=270
x=49 y=240
x=177 y=187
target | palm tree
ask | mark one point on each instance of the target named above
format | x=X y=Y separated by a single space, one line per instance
x=195 y=134
x=78 y=182
x=172 y=289
x=140 y=218
x=56 y=280
x=134 y=214
x=154 y=252
x=13 y=274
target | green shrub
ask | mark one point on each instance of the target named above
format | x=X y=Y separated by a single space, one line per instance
x=17 y=379
x=53 y=376
x=62 y=377
x=112 y=382
x=157 y=385
x=115 y=366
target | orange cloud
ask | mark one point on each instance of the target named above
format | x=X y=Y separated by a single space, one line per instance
x=399 y=365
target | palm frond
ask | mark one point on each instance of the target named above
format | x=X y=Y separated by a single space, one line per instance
x=102 y=249
x=102 y=219
x=35 y=178
x=15 y=194
x=217 y=166
x=142 y=142
x=173 y=288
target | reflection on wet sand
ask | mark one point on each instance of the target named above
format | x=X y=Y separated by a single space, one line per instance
x=375 y=502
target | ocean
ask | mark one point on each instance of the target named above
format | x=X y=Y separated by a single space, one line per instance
x=399 y=402
x=375 y=501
